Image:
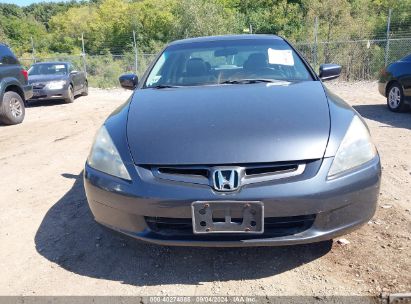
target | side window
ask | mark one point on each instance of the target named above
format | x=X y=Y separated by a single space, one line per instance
x=6 y=56
x=70 y=68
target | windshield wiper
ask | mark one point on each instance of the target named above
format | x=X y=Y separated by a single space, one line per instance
x=247 y=81
x=163 y=86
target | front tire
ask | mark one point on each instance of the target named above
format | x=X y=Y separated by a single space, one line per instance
x=12 y=110
x=395 y=98
x=70 y=95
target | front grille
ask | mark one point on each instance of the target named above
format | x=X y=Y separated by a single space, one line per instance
x=270 y=169
x=273 y=227
x=248 y=173
x=183 y=171
x=38 y=86
x=248 y=170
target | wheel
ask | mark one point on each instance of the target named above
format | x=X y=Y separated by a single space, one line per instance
x=85 y=89
x=70 y=95
x=12 y=109
x=395 y=98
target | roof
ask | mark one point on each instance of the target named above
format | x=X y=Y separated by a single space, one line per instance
x=225 y=37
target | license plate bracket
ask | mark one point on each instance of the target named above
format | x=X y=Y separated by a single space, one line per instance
x=238 y=217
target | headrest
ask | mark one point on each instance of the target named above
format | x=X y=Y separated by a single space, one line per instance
x=255 y=61
x=196 y=67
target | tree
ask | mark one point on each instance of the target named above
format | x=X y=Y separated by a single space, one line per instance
x=3 y=36
x=107 y=25
x=154 y=23
x=66 y=28
x=44 y=11
x=201 y=18
x=19 y=33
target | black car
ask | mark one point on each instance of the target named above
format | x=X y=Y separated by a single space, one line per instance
x=14 y=88
x=233 y=141
x=57 y=80
x=395 y=84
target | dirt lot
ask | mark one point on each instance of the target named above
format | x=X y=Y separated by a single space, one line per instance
x=50 y=244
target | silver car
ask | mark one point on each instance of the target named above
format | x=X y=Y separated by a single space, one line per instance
x=57 y=80
x=233 y=141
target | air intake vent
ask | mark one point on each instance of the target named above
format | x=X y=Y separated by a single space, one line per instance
x=184 y=171
x=271 y=169
x=273 y=227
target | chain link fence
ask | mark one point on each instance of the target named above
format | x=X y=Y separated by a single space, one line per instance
x=360 y=59
x=102 y=70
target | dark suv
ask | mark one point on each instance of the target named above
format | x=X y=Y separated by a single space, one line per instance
x=14 y=88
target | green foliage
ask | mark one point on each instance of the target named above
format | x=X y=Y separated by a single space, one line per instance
x=279 y=17
x=11 y=10
x=3 y=37
x=154 y=22
x=66 y=28
x=103 y=71
x=19 y=33
x=44 y=11
x=107 y=25
x=203 y=18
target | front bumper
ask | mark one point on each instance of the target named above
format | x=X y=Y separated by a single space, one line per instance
x=334 y=207
x=46 y=94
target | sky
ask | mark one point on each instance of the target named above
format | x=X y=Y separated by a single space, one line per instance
x=27 y=2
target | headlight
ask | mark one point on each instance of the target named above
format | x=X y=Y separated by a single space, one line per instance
x=55 y=85
x=355 y=149
x=105 y=157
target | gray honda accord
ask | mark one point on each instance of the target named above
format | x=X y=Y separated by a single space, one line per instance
x=232 y=141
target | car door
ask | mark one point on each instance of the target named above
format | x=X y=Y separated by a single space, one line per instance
x=406 y=78
x=10 y=70
x=75 y=77
x=81 y=77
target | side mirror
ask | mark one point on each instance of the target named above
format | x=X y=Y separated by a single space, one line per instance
x=73 y=72
x=128 y=81
x=329 y=71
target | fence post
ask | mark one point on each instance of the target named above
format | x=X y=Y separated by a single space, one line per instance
x=83 y=54
x=251 y=28
x=33 y=51
x=387 y=45
x=315 y=48
x=135 y=52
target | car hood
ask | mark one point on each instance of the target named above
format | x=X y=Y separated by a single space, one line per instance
x=45 y=78
x=229 y=124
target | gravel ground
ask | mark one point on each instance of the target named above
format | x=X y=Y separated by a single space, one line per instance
x=50 y=244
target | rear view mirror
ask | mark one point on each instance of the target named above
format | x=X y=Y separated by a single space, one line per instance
x=128 y=81
x=225 y=52
x=329 y=71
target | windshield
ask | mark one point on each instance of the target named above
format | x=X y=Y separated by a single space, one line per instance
x=227 y=62
x=48 y=69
